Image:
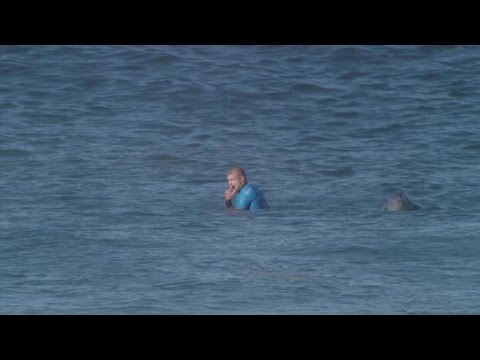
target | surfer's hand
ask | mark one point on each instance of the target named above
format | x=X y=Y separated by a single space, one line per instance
x=229 y=193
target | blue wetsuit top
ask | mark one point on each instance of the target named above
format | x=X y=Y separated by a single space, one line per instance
x=249 y=198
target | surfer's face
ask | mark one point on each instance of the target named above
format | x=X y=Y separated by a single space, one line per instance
x=235 y=181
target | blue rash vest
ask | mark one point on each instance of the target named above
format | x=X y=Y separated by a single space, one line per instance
x=249 y=198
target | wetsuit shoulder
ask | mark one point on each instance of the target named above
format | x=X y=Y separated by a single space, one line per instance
x=244 y=199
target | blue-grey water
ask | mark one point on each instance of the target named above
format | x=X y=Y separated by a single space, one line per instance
x=113 y=163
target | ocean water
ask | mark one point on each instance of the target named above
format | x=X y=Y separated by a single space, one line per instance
x=113 y=164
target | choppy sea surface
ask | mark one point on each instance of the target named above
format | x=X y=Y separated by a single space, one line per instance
x=113 y=164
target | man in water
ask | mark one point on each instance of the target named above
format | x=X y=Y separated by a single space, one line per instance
x=240 y=194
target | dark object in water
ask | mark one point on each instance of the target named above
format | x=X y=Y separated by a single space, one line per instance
x=399 y=201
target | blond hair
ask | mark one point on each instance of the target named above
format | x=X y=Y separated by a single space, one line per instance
x=237 y=170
